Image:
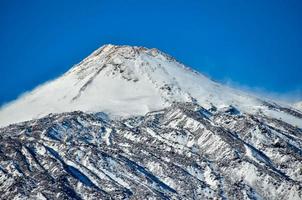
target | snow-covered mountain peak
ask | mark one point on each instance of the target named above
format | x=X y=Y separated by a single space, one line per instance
x=177 y=135
x=125 y=81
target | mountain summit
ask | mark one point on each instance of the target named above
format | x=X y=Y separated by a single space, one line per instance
x=125 y=81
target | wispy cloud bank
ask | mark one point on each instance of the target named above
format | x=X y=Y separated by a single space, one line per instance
x=287 y=97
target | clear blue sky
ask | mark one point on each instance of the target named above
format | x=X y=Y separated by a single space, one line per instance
x=255 y=43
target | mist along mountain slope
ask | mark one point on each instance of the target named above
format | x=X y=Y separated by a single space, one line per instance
x=133 y=123
x=181 y=152
x=298 y=105
x=127 y=81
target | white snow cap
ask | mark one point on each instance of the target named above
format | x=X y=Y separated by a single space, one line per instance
x=125 y=81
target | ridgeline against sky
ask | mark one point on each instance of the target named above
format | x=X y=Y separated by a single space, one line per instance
x=256 y=44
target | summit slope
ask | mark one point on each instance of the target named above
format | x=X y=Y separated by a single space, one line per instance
x=127 y=81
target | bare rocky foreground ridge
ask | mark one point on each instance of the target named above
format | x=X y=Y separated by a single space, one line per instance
x=181 y=152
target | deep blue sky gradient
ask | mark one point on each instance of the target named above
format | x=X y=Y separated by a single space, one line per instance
x=254 y=43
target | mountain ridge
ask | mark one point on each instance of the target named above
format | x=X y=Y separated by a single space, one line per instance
x=181 y=152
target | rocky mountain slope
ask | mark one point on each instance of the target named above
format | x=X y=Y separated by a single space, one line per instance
x=133 y=123
x=181 y=152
